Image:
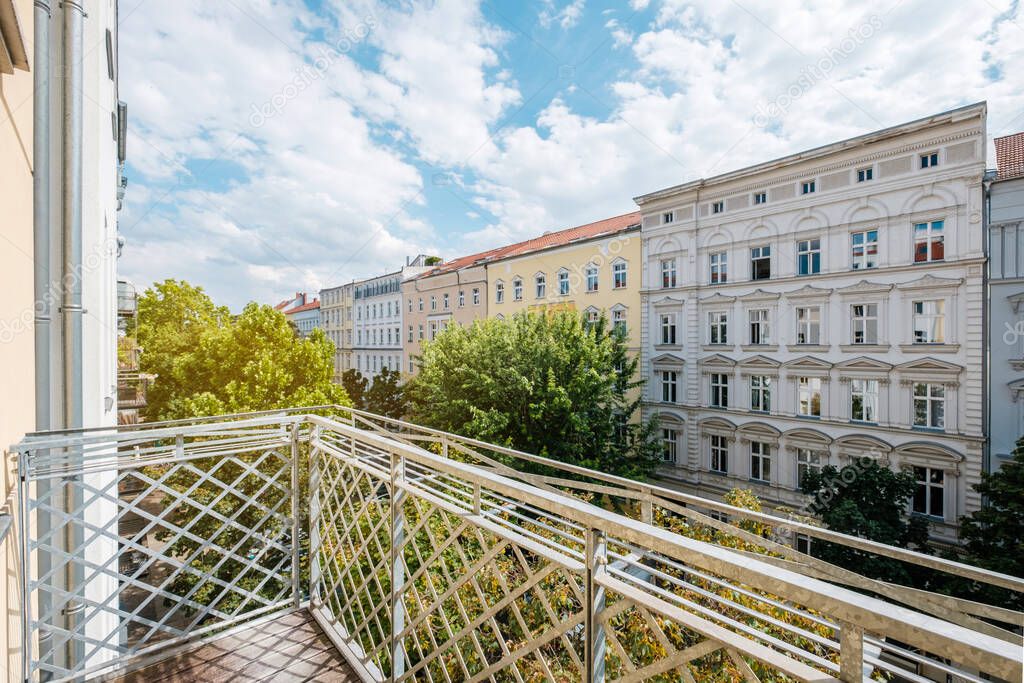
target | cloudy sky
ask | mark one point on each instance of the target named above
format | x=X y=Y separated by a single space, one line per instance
x=284 y=145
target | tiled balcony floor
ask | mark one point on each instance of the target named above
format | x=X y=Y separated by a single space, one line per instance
x=289 y=649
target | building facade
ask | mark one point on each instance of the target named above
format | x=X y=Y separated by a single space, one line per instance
x=1006 y=299
x=593 y=269
x=823 y=307
x=378 y=321
x=336 y=320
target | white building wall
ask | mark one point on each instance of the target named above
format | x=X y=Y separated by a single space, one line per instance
x=899 y=195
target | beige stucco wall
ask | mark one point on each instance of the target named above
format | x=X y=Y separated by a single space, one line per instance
x=423 y=288
x=16 y=312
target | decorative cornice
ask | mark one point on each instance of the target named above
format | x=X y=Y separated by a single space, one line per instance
x=760 y=295
x=864 y=287
x=809 y=292
x=929 y=281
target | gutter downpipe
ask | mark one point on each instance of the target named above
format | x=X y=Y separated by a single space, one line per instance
x=44 y=293
x=72 y=313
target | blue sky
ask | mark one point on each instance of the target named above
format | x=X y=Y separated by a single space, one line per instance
x=284 y=145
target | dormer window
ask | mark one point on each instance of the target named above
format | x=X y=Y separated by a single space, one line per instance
x=807 y=187
x=930 y=160
x=718 y=207
x=668 y=217
x=865 y=174
x=760 y=197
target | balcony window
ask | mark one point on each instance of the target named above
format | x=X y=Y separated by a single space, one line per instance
x=864 y=400
x=719 y=267
x=929 y=405
x=760 y=461
x=864 y=248
x=759 y=329
x=669 y=445
x=761 y=263
x=719 y=390
x=929 y=242
x=668 y=273
x=808 y=325
x=809 y=396
x=761 y=393
x=719 y=454
x=808 y=257
x=668 y=328
x=929 y=321
x=669 y=386
x=929 y=496
x=718 y=327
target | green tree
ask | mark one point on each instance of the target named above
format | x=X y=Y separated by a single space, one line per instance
x=867 y=500
x=355 y=385
x=386 y=396
x=209 y=363
x=550 y=384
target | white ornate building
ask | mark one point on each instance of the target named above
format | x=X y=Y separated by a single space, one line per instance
x=820 y=307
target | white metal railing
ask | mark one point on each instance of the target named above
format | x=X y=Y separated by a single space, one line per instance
x=445 y=566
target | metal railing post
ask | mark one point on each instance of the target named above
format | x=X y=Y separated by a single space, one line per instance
x=397 y=566
x=296 y=492
x=851 y=653
x=597 y=558
x=314 y=519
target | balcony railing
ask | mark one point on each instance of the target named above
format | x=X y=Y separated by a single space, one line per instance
x=427 y=556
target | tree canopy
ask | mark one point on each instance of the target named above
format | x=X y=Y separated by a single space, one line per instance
x=545 y=383
x=209 y=362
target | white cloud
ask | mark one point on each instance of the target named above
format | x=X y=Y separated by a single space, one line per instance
x=566 y=17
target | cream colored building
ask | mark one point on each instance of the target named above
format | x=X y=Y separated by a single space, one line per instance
x=336 y=321
x=594 y=269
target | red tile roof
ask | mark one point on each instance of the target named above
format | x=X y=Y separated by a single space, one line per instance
x=315 y=303
x=1010 y=156
x=608 y=226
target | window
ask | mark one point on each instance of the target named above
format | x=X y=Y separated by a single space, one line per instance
x=476 y=296
x=929 y=322
x=808 y=257
x=719 y=267
x=591 y=274
x=668 y=217
x=433 y=329
x=928 y=242
x=421 y=331
x=410 y=305
x=807 y=187
x=865 y=174
x=619 y=320
x=929 y=406
x=499 y=292
x=928 y=497
x=462 y=298
x=669 y=385
x=759 y=331
x=809 y=396
x=803 y=544
x=808 y=325
x=433 y=302
x=719 y=455
x=445 y=301
x=807 y=461
x=669 y=444
x=619 y=274
x=719 y=390
x=761 y=263
x=410 y=332
x=930 y=160
x=668 y=328
x=421 y=303
x=718 y=327
x=864 y=247
x=864 y=400
x=761 y=393
x=563 y=284
x=760 y=198
x=760 y=461
x=517 y=289
x=864 y=323
x=668 y=273
x=717 y=207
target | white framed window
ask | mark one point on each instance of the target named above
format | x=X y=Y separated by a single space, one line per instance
x=761 y=263
x=717 y=207
x=444 y=300
x=807 y=187
x=930 y=160
x=669 y=445
x=668 y=217
x=808 y=257
x=668 y=273
x=760 y=332
x=760 y=198
x=499 y=292
x=719 y=267
x=592 y=277
x=462 y=298
x=864 y=400
x=668 y=328
x=619 y=320
x=761 y=393
x=929 y=242
x=410 y=332
x=929 y=496
x=563 y=283
x=719 y=390
x=803 y=544
x=517 y=289
x=864 y=249
x=421 y=304
x=929 y=405
x=929 y=321
x=807 y=461
x=433 y=329
x=591 y=316
x=718 y=327
x=540 y=282
x=433 y=302
x=809 y=396
x=619 y=275
x=410 y=305
x=421 y=331
x=864 y=324
x=865 y=174
x=669 y=386
x=760 y=461
x=718 y=457
x=476 y=296
x=808 y=325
